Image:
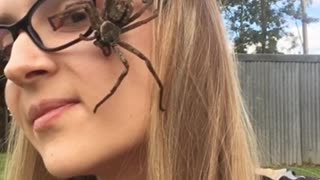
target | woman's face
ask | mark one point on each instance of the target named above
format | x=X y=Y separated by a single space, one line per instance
x=52 y=96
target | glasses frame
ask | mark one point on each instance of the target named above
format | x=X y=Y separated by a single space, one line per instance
x=26 y=25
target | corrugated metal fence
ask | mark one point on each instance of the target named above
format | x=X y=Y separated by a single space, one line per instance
x=283 y=98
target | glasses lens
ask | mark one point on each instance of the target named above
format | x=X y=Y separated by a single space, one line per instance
x=6 y=41
x=59 y=22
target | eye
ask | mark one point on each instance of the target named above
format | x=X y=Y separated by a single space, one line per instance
x=74 y=17
x=78 y=17
x=70 y=20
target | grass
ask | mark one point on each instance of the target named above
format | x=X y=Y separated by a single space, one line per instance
x=309 y=171
x=2 y=159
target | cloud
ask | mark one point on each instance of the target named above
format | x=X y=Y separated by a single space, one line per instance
x=316 y=3
x=285 y=43
x=314 y=38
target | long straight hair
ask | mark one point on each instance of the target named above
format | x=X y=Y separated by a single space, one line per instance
x=204 y=134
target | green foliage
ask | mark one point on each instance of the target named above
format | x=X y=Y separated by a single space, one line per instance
x=261 y=22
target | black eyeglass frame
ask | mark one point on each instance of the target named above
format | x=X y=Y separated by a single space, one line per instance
x=26 y=25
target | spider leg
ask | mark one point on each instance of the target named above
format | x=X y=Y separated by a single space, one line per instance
x=120 y=79
x=84 y=38
x=139 y=23
x=149 y=65
x=106 y=49
x=94 y=16
x=139 y=13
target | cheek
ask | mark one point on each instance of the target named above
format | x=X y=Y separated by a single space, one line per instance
x=14 y=104
x=12 y=97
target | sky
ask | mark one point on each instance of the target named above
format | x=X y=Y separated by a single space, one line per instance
x=313 y=33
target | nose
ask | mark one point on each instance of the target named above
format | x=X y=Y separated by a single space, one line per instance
x=27 y=63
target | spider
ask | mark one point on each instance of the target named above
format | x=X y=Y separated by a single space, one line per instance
x=117 y=18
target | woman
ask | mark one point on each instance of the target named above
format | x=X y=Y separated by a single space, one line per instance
x=203 y=134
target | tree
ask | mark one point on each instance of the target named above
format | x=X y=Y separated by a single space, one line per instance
x=259 y=23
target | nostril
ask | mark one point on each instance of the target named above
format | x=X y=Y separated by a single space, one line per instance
x=36 y=73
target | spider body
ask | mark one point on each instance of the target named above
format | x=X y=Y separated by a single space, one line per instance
x=119 y=12
x=110 y=37
x=117 y=18
x=111 y=33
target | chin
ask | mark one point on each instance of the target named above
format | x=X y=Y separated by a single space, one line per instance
x=65 y=165
x=64 y=168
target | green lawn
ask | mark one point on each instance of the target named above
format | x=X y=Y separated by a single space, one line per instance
x=2 y=159
x=310 y=171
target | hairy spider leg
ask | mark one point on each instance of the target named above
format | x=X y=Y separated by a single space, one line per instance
x=106 y=49
x=138 y=13
x=149 y=65
x=139 y=23
x=120 y=79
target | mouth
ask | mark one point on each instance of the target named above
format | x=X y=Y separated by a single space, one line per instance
x=43 y=113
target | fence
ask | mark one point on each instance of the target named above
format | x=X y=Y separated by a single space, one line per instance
x=282 y=94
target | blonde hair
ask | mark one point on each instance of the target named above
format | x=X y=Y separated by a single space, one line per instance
x=205 y=133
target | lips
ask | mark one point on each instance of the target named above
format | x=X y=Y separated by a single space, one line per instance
x=45 y=106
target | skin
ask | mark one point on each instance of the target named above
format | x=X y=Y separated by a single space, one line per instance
x=108 y=144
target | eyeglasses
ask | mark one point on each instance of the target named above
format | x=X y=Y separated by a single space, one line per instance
x=48 y=28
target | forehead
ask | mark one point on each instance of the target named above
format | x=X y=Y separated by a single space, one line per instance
x=14 y=9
